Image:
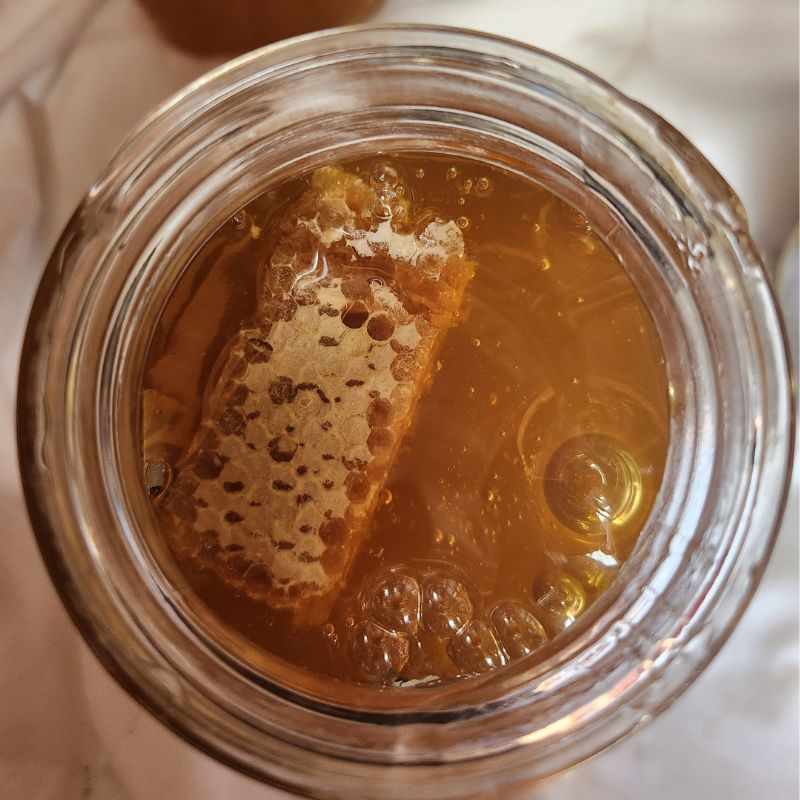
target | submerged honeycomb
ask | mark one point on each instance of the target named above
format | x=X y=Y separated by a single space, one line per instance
x=276 y=491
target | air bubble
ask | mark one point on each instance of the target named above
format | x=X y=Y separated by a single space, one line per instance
x=596 y=570
x=446 y=606
x=544 y=264
x=451 y=174
x=560 y=597
x=483 y=187
x=385 y=496
x=592 y=484
x=329 y=632
x=463 y=223
x=518 y=631
x=157 y=476
x=492 y=399
x=475 y=649
x=385 y=175
x=376 y=652
x=394 y=603
x=387 y=205
x=420 y=173
x=239 y=220
x=466 y=187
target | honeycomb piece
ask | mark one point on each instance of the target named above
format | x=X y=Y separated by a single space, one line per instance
x=276 y=491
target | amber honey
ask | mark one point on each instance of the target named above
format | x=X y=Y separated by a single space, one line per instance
x=404 y=419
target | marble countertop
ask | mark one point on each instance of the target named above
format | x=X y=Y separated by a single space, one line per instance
x=76 y=76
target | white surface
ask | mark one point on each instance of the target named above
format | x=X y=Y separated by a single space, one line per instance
x=76 y=75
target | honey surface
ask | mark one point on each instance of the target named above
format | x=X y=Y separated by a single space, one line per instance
x=508 y=480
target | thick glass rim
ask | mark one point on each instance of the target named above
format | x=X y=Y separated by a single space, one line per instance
x=530 y=720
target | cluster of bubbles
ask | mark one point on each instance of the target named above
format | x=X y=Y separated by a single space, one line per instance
x=404 y=612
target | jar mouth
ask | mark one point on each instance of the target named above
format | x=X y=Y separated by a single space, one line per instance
x=682 y=236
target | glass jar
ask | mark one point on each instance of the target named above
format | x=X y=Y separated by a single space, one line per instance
x=682 y=236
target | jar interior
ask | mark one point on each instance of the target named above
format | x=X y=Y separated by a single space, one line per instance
x=252 y=179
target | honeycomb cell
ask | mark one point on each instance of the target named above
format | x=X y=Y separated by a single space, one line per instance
x=517 y=629
x=446 y=605
x=393 y=601
x=157 y=476
x=474 y=648
x=376 y=652
x=560 y=597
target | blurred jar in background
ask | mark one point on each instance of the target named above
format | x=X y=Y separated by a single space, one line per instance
x=227 y=27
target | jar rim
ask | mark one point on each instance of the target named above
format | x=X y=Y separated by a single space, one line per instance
x=55 y=346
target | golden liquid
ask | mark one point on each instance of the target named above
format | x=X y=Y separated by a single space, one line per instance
x=533 y=460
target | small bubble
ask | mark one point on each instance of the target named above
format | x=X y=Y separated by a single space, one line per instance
x=394 y=603
x=579 y=300
x=385 y=175
x=420 y=173
x=471 y=391
x=386 y=496
x=483 y=187
x=461 y=201
x=475 y=649
x=438 y=536
x=544 y=264
x=329 y=632
x=492 y=399
x=451 y=174
x=446 y=606
x=376 y=652
x=463 y=223
x=596 y=570
x=157 y=476
x=387 y=205
x=560 y=597
x=466 y=187
x=239 y=220
x=518 y=631
x=476 y=342
x=536 y=227
x=491 y=495
x=574 y=381
x=451 y=540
